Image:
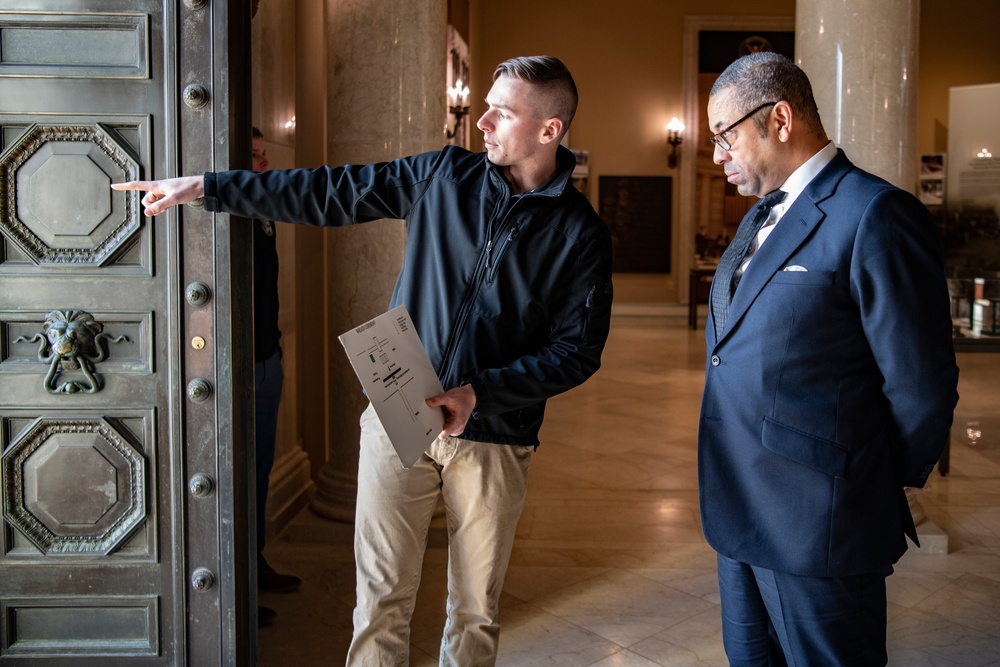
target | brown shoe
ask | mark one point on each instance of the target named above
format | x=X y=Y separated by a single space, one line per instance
x=265 y=616
x=273 y=582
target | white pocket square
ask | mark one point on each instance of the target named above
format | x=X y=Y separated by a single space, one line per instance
x=795 y=267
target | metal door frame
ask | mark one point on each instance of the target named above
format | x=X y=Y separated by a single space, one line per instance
x=226 y=25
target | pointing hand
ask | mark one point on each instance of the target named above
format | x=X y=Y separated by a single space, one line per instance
x=161 y=195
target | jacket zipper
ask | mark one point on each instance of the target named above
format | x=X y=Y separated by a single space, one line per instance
x=491 y=269
x=470 y=294
x=485 y=269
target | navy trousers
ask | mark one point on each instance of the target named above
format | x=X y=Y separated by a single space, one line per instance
x=773 y=619
x=269 y=378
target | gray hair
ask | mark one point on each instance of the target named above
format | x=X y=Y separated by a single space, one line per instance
x=766 y=76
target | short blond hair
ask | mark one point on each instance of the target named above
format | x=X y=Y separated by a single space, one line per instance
x=559 y=96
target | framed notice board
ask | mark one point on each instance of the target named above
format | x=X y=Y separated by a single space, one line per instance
x=637 y=210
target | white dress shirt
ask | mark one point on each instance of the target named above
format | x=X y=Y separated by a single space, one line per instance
x=793 y=185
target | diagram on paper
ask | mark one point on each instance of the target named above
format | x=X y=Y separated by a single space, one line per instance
x=397 y=377
x=395 y=380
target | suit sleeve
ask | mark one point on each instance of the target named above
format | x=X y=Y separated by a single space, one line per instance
x=898 y=282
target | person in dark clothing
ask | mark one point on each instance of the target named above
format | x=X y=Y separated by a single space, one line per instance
x=268 y=380
x=507 y=277
x=830 y=380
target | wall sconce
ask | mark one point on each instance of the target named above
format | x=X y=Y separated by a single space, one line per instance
x=674 y=129
x=458 y=106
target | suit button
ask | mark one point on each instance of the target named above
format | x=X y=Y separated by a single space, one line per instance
x=715 y=360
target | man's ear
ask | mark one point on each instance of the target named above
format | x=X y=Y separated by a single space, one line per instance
x=551 y=130
x=784 y=120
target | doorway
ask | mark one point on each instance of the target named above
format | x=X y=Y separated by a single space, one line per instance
x=705 y=206
x=123 y=352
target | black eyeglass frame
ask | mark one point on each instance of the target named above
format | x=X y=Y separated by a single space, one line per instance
x=720 y=138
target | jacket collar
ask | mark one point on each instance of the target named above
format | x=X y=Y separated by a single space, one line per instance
x=565 y=164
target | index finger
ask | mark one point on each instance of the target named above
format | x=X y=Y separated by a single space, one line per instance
x=145 y=186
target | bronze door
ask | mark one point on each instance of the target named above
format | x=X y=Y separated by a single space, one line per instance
x=123 y=377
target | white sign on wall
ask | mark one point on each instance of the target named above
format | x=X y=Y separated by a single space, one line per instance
x=974 y=148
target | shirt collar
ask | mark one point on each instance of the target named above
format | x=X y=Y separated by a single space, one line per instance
x=800 y=178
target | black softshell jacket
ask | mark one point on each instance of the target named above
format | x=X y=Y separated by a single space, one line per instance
x=511 y=294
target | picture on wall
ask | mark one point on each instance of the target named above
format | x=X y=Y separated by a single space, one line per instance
x=637 y=209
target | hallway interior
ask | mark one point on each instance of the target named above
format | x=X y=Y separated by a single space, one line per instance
x=610 y=567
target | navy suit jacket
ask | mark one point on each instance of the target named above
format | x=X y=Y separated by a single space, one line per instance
x=830 y=389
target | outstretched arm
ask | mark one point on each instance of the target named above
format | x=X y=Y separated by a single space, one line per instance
x=161 y=195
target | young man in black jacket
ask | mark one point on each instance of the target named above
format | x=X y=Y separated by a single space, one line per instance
x=507 y=276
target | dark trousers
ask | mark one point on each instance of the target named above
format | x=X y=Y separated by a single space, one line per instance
x=268 y=378
x=773 y=619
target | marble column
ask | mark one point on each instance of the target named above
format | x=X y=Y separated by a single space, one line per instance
x=385 y=97
x=861 y=57
x=274 y=81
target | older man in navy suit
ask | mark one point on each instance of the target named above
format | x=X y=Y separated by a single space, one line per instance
x=830 y=384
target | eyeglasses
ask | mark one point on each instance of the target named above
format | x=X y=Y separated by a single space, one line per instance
x=722 y=141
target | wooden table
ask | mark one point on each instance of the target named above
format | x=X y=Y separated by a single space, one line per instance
x=698 y=274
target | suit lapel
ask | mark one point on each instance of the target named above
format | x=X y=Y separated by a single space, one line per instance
x=795 y=226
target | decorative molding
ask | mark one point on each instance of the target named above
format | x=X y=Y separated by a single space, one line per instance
x=12 y=222
x=694 y=116
x=49 y=438
x=111 y=45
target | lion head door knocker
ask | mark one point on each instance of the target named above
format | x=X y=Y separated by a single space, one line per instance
x=72 y=339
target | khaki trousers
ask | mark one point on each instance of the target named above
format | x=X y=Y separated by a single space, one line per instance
x=483 y=486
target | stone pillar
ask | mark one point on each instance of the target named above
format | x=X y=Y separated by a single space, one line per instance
x=385 y=97
x=861 y=57
x=274 y=100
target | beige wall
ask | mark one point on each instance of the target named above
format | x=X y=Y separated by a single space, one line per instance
x=958 y=47
x=627 y=64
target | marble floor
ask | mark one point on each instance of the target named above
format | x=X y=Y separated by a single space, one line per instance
x=610 y=568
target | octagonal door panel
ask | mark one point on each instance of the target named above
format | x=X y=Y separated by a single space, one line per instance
x=108 y=554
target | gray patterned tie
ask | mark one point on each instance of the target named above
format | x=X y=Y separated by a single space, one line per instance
x=722 y=285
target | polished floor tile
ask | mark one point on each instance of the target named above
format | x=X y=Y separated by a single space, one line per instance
x=610 y=568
